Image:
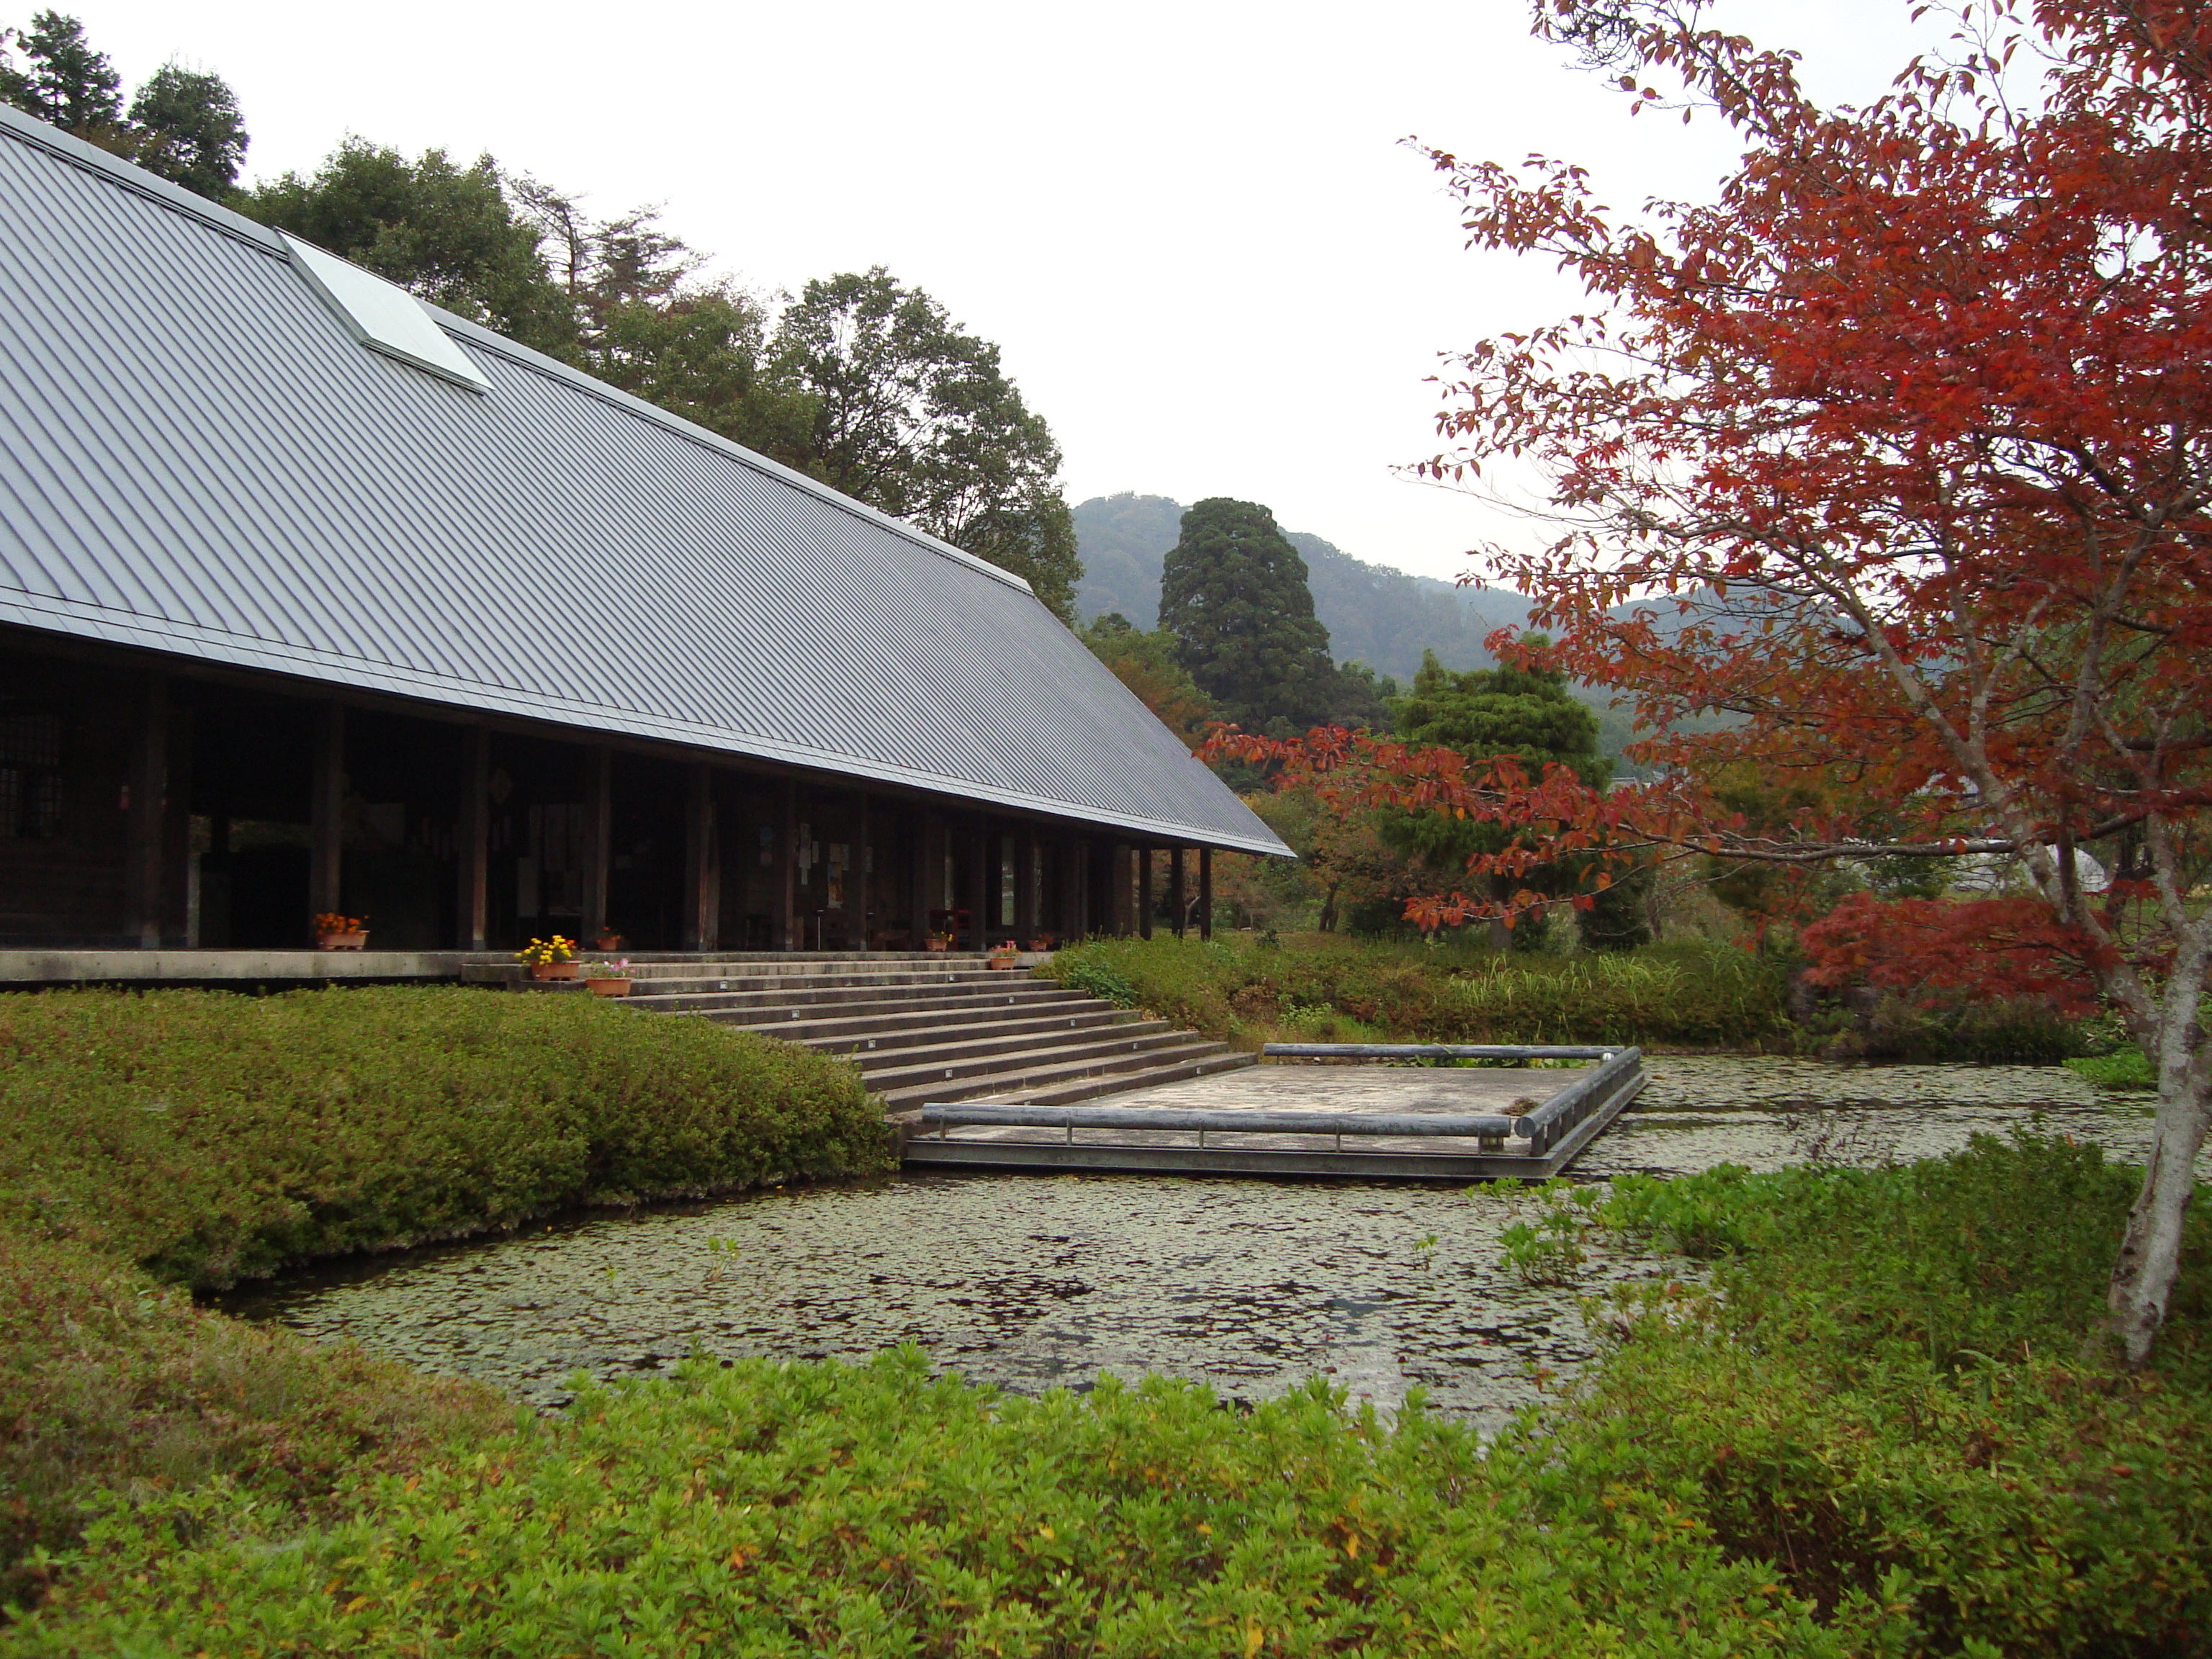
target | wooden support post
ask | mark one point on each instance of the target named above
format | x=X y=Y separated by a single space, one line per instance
x=474 y=911
x=864 y=870
x=180 y=876
x=1026 y=921
x=1144 y=892
x=599 y=839
x=700 y=898
x=981 y=914
x=1206 y=892
x=928 y=874
x=144 y=801
x=785 y=926
x=1086 y=889
x=1178 y=894
x=1075 y=900
x=326 y=814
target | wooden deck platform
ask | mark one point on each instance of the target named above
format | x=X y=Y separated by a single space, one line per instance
x=1376 y=1121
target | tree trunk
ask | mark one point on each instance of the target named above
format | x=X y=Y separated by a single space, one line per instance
x=1327 y=923
x=2150 y=1252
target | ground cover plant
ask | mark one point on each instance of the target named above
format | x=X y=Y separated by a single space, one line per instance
x=1869 y=1432
x=872 y=1510
x=1895 y=1386
x=1329 y=988
x=209 y=1137
x=115 y=1388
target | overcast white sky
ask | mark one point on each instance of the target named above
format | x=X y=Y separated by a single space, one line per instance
x=1190 y=227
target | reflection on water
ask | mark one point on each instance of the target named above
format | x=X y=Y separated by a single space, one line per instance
x=1030 y=1281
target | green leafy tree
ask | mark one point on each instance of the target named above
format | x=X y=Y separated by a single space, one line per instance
x=446 y=232
x=643 y=320
x=1362 y=698
x=1233 y=593
x=1527 y=713
x=1146 y=664
x=913 y=415
x=188 y=129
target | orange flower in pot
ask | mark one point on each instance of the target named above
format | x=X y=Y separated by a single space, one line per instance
x=336 y=932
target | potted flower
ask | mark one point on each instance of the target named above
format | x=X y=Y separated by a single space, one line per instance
x=938 y=942
x=336 y=932
x=550 y=958
x=608 y=979
x=1004 y=956
x=606 y=940
x=1042 y=942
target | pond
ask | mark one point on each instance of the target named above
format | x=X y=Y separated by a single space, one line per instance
x=1033 y=1281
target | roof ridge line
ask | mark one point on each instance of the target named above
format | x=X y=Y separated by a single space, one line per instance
x=68 y=147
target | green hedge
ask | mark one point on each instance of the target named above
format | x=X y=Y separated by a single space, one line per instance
x=1323 y=989
x=210 y=1137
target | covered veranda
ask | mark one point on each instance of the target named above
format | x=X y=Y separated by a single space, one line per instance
x=240 y=805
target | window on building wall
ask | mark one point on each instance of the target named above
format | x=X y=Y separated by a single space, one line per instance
x=30 y=776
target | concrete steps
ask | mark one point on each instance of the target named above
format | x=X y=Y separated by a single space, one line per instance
x=937 y=1026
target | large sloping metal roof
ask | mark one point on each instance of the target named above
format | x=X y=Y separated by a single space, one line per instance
x=199 y=458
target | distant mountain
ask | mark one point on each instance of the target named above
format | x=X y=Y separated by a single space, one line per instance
x=1381 y=617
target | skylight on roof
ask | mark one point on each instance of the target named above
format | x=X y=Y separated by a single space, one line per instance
x=383 y=316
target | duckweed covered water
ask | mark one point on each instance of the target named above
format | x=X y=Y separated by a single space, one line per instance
x=1035 y=1281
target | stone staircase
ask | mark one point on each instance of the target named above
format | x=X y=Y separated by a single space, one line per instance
x=937 y=1026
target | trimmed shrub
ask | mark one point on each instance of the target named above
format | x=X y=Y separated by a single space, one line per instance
x=2023 y=1030
x=1249 y=992
x=210 y=1137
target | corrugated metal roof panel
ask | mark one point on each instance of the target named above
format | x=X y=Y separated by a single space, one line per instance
x=200 y=460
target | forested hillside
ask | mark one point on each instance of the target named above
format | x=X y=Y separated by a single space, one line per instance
x=1374 y=615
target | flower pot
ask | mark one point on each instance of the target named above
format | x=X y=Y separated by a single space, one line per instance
x=607 y=942
x=1004 y=961
x=342 y=941
x=937 y=945
x=609 y=988
x=552 y=970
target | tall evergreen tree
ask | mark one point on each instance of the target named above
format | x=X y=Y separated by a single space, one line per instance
x=183 y=123
x=1233 y=593
x=63 y=80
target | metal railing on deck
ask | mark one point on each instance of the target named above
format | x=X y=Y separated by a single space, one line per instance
x=1462 y=1125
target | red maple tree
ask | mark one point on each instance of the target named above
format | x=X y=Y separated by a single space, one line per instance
x=1900 y=452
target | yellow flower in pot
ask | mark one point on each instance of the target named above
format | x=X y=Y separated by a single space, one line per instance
x=550 y=958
